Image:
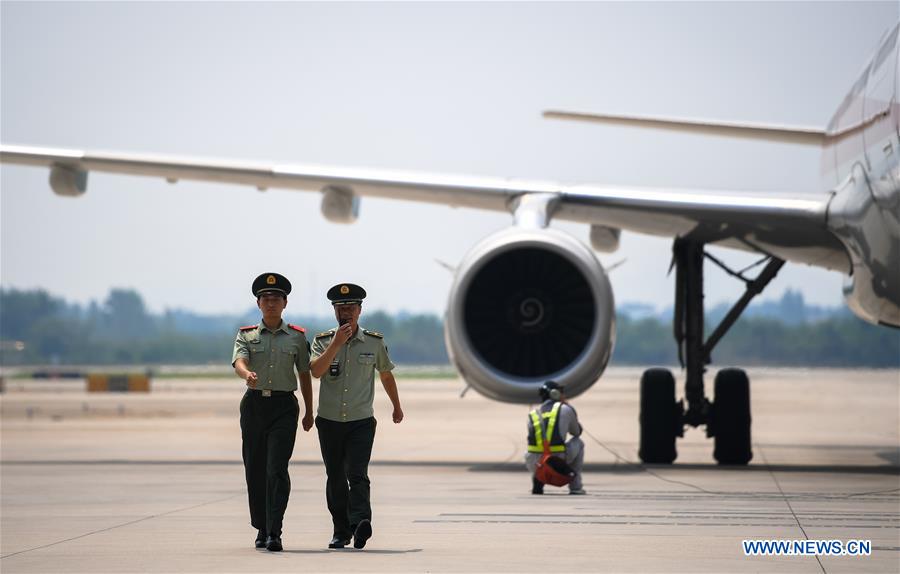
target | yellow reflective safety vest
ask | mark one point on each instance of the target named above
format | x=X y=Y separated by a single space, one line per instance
x=541 y=431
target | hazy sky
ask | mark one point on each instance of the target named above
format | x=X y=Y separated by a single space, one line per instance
x=429 y=87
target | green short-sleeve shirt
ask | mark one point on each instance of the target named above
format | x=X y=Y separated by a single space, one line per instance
x=273 y=354
x=348 y=396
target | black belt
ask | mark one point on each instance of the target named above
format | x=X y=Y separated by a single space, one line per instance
x=269 y=392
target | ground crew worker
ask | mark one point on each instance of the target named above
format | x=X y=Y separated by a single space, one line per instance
x=555 y=418
x=345 y=359
x=266 y=356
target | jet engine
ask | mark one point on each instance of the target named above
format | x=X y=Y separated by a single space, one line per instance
x=527 y=306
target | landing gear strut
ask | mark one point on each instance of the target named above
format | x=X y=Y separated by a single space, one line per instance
x=728 y=419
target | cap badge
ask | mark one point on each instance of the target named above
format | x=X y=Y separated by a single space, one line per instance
x=270 y=280
x=344 y=289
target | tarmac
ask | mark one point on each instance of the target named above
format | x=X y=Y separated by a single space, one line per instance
x=110 y=482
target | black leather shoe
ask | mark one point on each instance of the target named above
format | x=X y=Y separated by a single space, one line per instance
x=273 y=544
x=338 y=542
x=261 y=539
x=537 y=487
x=363 y=532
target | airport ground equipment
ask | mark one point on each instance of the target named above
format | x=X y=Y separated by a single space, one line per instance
x=107 y=383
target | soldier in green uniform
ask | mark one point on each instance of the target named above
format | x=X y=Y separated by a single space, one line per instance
x=265 y=357
x=345 y=360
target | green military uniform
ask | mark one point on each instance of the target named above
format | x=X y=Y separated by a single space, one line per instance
x=348 y=395
x=273 y=354
x=269 y=415
x=346 y=422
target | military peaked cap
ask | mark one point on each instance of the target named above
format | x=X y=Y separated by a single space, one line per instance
x=271 y=282
x=346 y=294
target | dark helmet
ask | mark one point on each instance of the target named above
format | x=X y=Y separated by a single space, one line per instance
x=551 y=390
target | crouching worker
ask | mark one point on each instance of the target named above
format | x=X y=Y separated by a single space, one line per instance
x=548 y=426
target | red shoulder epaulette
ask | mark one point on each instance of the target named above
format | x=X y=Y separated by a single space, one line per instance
x=297 y=328
x=249 y=327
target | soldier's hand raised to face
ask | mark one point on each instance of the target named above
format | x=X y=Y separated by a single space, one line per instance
x=252 y=379
x=343 y=334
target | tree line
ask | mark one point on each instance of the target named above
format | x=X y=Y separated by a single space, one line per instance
x=37 y=328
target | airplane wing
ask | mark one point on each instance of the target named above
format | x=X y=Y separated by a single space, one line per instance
x=789 y=227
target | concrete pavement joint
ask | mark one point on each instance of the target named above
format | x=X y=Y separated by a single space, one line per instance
x=788 y=502
x=121 y=525
x=640 y=523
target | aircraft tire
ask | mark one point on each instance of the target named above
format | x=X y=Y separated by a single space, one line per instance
x=730 y=417
x=659 y=417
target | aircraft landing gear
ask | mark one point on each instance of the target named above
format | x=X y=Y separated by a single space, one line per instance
x=663 y=419
x=660 y=417
x=730 y=418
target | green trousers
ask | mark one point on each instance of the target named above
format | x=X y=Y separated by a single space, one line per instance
x=268 y=431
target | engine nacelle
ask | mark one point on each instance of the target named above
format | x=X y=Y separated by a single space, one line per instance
x=68 y=181
x=340 y=204
x=526 y=306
